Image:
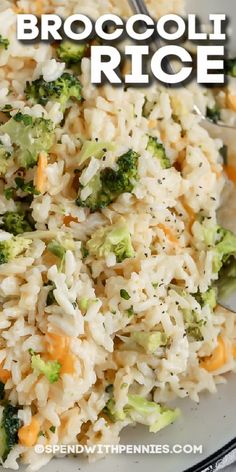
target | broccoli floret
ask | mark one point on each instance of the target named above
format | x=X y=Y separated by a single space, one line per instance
x=51 y=369
x=113 y=239
x=11 y=248
x=140 y=410
x=207 y=298
x=60 y=90
x=157 y=150
x=4 y=42
x=15 y=223
x=213 y=113
x=110 y=184
x=26 y=187
x=224 y=249
x=9 y=426
x=193 y=324
x=30 y=136
x=71 y=53
x=230 y=67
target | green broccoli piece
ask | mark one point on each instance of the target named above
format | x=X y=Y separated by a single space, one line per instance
x=11 y=248
x=230 y=67
x=15 y=223
x=51 y=369
x=150 y=341
x=112 y=239
x=213 y=113
x=227 y=280
x=61 y=90
x=30 y=136
x=124 y=294
x=157 y=150
x=2 y=390
x=94 y=148
x=71 y=52
x=208 y=298
x=4 y=42
x=57 y=249
x=109 y=184
x=26 y=187
x=9 y=426
x=193 y=324
x=224 y=249
x=142 y=411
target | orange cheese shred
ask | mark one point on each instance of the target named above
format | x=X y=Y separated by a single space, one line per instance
x=217 y=359
x=28 y=434
x=172 y=238
x=40 y=175
x=58 y=349
x=5 y=375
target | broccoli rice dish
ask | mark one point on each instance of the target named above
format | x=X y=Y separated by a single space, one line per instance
x=109 y=247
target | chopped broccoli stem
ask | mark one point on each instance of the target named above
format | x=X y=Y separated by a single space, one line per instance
x=30 y=136
x=110 y=184
x=71 y=52
x=157 y=150
x=9 y=426
x=213 y=113
x=15 y=223
x=4 y=42
x=61 y=90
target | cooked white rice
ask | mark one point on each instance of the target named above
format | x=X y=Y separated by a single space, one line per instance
x=162 y=216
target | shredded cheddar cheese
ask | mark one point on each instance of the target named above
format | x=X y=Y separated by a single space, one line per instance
x=5 y=375
x=217 y=359
x=40 y=176
x=58 y=349
x=172 y=238
x=28 y=434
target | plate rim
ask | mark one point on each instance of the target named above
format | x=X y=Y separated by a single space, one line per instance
x=211 y=461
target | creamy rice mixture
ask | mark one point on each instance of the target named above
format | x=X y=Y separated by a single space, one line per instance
x=108 y=313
